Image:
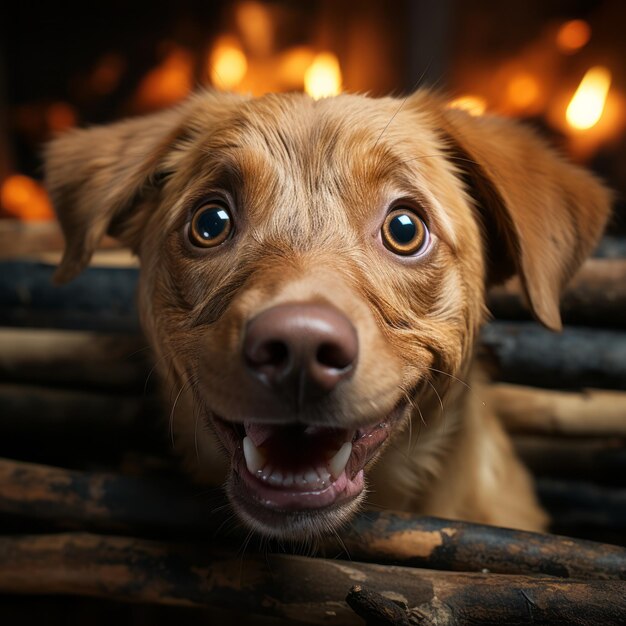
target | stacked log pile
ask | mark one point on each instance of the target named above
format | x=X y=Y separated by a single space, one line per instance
x=93 y=507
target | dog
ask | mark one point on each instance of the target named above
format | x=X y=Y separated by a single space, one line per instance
x=313 y=279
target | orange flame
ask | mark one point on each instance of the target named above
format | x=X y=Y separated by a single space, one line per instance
x=587 y=105
x=23 y=198
x=167 y=83
x=323 y=77
x=227 y=64
x=572 y=36
x=474 y=105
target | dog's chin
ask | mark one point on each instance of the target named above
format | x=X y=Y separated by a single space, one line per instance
x=297 y=481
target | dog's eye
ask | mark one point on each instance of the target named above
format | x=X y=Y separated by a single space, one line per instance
x=210 y=225
x=404 y=232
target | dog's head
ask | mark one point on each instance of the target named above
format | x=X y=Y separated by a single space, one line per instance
x=313 y=272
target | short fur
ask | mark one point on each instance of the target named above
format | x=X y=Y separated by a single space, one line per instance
x=311 y=182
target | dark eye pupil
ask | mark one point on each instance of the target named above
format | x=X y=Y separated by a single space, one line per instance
x=402 y=228
x=212 y=223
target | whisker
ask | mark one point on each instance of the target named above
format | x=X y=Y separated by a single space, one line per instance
x=404 y=101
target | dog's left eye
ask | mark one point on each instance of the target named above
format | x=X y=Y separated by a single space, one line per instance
x=403 y=232
x=210 y=225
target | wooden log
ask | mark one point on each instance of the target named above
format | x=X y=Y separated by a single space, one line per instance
x=101 y=299
x=74 y=358
x=296 y=588
x=602 y=461
x=101 y=501
x=113 y=503
x=525 y=353
x=588 y=413
x=48 y=411
x=595 y=297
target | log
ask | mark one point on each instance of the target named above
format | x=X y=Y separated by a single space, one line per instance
x=31 y=410
x=88 y=360
x=290 y=587
x=547 y=412
x=595 y=297
x=114 y=503
x=577 y=358
x=602 y=461
x=101 y=298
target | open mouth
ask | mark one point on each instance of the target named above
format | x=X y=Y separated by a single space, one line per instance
x=297 y=467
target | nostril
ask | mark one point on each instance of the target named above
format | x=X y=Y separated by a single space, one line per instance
x=269 y=353
x=334 y=356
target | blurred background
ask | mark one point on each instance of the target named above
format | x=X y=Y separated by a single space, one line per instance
x=558 y=64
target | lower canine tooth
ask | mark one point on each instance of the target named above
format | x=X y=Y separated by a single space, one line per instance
x=255 y=460
x=338 y=463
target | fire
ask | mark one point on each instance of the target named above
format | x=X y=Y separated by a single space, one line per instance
x=24 y=198
x=572 y=36
x=474 y=105
x=323 y=77
x=523 y=90
x=167 y=83
x=587 y=105
x=227 y=63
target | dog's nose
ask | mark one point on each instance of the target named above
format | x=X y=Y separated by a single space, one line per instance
x=301 y=350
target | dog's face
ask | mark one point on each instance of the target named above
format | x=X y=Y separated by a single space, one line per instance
x=314 y=272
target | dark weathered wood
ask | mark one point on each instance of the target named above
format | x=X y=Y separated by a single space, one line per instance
x=107 y=502
x=595 y=297
x=74 y=358
x=101 y=501
x=591 y=412
x=375 y=609
x=295 y=588
x=392 y=537
x=602 y=461
x=525 y=353
x=101 y=299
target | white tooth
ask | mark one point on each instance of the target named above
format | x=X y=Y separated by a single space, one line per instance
x=288 y=479
x=323 y=473
x=255 y=459
x=276 y=478
x=338 y=463
x=311 y=476
x=299 y=479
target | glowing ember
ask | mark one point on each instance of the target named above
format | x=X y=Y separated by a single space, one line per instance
x=523 y=90
x=474 y=105
x=255 y=25
x=323 y=77
x=227 y=63
x=587 y=105
x=572 y=36
x=60 y=116
x=24 y=198
x=167 y=83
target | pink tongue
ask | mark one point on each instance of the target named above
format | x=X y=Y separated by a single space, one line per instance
x=259 y=433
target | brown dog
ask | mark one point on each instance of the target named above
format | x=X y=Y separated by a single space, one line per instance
x=313 y=281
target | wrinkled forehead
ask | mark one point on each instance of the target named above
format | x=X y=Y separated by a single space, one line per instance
x=286 y=155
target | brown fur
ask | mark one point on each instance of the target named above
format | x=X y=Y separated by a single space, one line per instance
x=312 y=182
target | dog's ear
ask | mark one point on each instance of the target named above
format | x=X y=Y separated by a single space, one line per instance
x=97 y=178
x=541 y=215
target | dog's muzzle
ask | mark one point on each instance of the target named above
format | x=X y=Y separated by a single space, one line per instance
x=298 y=355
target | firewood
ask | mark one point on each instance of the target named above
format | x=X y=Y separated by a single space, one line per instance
x=596 y=296
x=290 y=587
x=74 y=358
x=101 y=299
x=114 y=503
x=591 y=412
x=525 y=353
x=602 y=461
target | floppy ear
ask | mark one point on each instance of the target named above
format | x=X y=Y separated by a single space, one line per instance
x=97 y=179
x=541 y=215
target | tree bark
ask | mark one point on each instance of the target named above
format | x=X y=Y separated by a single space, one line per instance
x=296 y=588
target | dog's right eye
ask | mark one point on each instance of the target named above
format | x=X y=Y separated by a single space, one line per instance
x=210 y=225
